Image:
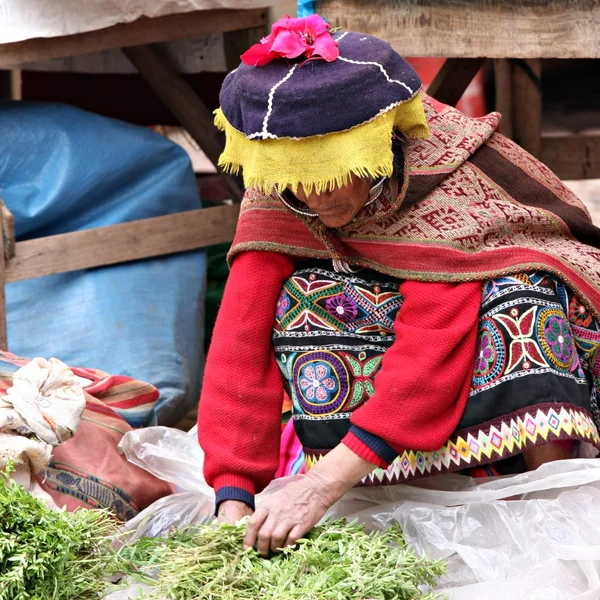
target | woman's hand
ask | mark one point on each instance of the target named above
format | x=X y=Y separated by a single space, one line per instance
x=231 y=511
x=286 y=516
x=293 y=511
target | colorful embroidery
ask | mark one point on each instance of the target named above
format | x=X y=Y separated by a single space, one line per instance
x=318 y=299
x=485 y=444
x=321 y=382
x=330 y=336
x=526 y=362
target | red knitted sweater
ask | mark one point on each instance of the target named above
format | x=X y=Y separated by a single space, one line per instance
x=420 y=391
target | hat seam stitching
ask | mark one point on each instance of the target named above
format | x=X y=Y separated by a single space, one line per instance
x=265 y=132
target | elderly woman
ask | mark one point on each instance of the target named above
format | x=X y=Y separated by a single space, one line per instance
x=425 y=291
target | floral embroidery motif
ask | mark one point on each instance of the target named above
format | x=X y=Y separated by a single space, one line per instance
x=316 y=382
x=558 y=336
x=283 y=304
x=321 y=383
x=579 y=314
x=342 y=307
x=522 y=346
x=363 y=370
x=485 y=353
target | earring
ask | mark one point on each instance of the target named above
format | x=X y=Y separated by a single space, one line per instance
x=375 y=191
x=285 y=202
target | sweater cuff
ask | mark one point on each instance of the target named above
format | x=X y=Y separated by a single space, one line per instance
x=369 y=447
x=234 y=487
x=233 y=493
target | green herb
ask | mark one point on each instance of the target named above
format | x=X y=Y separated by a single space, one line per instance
x=47 y=554
x=337 y=561
x=57 y=555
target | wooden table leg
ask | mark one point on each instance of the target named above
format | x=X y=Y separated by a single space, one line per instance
x=184 y=103
x=453 y=79
x=504 y=95
x=527 y=104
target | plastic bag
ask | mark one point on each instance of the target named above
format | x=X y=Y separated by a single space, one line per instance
x=545 y=545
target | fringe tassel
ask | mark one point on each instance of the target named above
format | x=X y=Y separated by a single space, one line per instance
x=321 y=163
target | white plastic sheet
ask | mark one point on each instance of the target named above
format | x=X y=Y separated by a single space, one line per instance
x=21 y=20
x=543 y=546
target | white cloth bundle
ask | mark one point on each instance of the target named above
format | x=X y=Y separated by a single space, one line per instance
x=42 y=409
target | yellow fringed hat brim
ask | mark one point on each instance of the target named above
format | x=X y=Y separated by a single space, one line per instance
x=321 y=162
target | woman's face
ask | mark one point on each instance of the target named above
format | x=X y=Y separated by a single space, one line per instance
x=339 y=206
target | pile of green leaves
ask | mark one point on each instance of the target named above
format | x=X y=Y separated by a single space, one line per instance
x=50 y=555
x=337 y=561
x=57 y=555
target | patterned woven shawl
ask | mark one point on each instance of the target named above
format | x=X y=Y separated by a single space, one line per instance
x=472 y=205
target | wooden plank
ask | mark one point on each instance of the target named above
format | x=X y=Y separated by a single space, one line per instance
x=527 y=105
x=123 y=243
x=572 y=157
x=472 y=28
x=142 y=31
x=454 y=78
x=504 y=95
x=184 y=103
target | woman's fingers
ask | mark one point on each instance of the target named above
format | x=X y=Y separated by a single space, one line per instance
x=279 y=536
x=294 y=535
x=253 y=526
x=265 y=533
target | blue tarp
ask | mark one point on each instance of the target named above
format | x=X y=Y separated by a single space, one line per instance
x=62 y=170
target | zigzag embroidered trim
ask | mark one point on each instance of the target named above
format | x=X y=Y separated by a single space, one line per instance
x=465 y=450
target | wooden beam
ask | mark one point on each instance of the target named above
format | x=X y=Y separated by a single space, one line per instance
x=125 y=242
x=142 y=31
x=184 y=103
x=473 y=28
x=572 y=156
x=454 y=78
x=527 y=104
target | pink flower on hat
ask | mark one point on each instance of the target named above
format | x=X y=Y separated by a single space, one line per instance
x=291 y=38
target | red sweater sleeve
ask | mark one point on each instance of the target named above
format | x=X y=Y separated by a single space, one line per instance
x=239 y=417
x=422 y=388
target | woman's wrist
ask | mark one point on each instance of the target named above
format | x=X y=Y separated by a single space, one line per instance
x=338 y=472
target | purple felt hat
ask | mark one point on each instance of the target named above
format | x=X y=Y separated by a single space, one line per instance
x=316 y=97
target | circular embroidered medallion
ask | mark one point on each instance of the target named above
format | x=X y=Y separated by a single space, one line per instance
x=555 y=338
x=490 y=355
x=321 y=383
x=342 y=307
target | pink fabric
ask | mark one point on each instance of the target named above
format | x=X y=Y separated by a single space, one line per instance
x=291 y=457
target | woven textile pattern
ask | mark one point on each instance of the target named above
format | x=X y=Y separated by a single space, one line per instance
x=474 y=206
